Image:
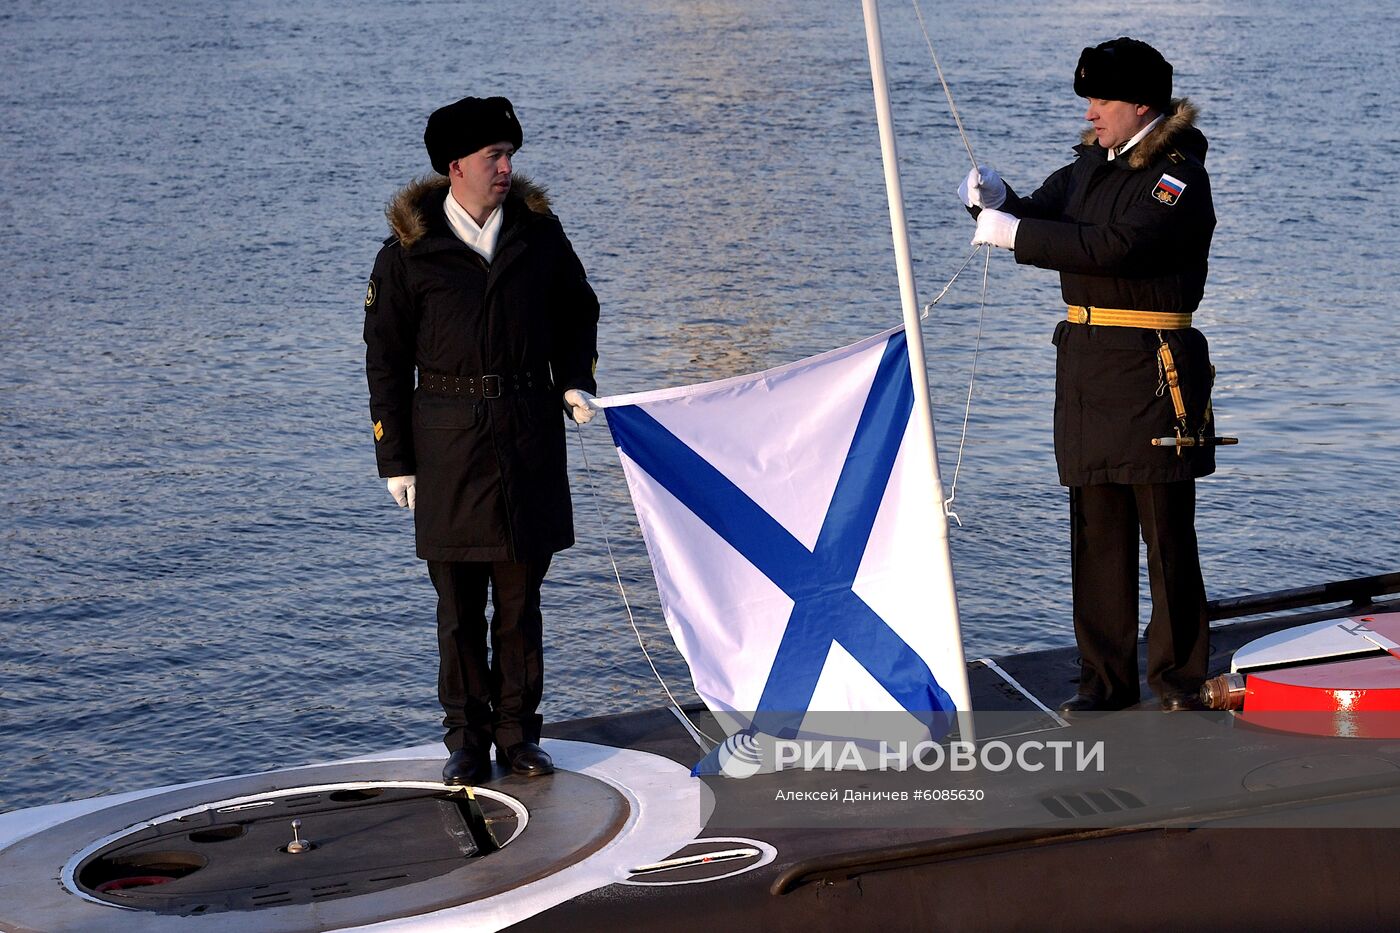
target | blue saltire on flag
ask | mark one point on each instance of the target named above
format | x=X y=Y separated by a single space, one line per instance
x=788 y=517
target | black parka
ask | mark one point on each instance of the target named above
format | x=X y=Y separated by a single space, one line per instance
x=1121 y=238
x=492 y=482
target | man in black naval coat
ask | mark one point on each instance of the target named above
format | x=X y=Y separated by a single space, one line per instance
x=480 y=292
x=1128 y=227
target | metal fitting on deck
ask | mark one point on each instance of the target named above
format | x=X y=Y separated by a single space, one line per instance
x=1224 y=692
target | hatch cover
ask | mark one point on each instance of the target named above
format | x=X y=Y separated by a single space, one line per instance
x=384 y=840
x=298 y=846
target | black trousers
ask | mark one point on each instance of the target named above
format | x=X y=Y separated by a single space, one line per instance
x=1104 y=524
x=496 y=699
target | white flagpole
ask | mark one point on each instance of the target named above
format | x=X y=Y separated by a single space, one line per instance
x=942 y=564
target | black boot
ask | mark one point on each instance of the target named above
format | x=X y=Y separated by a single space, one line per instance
x=526 y=758
x=466 y=766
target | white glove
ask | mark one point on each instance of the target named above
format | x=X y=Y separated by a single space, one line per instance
x=983 y=187
x=996 y=228
x=582 y=404
x=404 y=489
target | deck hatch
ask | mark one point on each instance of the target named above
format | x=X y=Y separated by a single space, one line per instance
x=365 y=840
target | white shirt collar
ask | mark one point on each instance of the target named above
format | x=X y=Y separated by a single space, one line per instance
x=481 y=238
x=1134 y=141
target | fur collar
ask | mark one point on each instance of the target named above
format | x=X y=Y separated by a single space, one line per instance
x=410 y=212
x=1180 y=122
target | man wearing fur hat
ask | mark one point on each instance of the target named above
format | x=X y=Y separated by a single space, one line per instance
x=479 y=292
x=1127 y=225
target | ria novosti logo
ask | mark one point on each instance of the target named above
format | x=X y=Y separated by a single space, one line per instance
x=748 y=752
x=740 y=755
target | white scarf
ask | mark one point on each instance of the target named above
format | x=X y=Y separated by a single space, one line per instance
x=481 y=238
x=1132 y=142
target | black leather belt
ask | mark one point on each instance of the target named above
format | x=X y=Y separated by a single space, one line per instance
x=488 y=386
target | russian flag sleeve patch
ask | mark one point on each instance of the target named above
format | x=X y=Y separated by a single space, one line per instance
x=1168 y=189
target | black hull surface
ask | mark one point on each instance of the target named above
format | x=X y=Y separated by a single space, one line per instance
x=1196 y=823
x=1310 y=857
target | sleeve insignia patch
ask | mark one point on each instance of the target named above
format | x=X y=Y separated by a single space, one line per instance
x=379 y=430
x=371 y=293
x=1168 y=189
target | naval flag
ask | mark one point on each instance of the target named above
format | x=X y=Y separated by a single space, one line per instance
x=792 y=519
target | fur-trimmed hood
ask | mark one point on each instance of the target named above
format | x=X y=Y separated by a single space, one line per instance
x=1178 y=130
x=413 y=211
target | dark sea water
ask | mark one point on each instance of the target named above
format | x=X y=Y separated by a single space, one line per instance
x=201 y=574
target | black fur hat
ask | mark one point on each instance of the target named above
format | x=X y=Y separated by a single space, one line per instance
x=470 y=124
x=1125 y=69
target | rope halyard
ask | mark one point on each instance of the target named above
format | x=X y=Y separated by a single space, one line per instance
x=923 y=315
x=972 y=381
x=981 y=311
x=946 y=91
x=617 y=575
